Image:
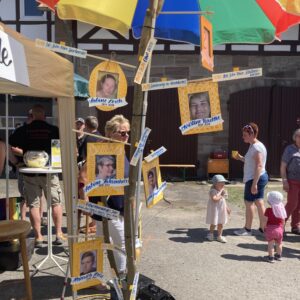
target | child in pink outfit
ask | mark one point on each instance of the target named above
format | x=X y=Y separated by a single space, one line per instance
x=275 y=217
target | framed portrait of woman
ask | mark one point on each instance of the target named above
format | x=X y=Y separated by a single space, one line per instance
x=87 y=258
x=105 y=164
x=107 y=81
x=152 y=182
x=199 y=106
x=207 y=56
x=107 y=85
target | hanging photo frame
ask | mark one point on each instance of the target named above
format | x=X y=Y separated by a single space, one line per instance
x=152 y=182
x=107 y=86
x=207 y=55
x=199 y=106
x=87 y=258
x=105 y=169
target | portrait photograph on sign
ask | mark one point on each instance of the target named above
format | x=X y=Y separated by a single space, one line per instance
x=105 y=166
x=107 y=85
x=207 y=56
x=152 y=182
x=88 y=262
x=105 y=161
x=199 y=106
x=108 y=81
x=87 y=258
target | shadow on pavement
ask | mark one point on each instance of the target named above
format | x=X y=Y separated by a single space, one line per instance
x=291 y=238
x=43 y=287
x=190 y=235
x=244 y=257
x=287 y=252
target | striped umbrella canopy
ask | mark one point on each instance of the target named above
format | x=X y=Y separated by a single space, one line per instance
x=243 y=21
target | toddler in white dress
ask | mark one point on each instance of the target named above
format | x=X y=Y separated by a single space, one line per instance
x=217 y=210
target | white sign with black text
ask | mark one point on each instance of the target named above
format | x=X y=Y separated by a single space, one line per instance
x=13 y=65
x=237 y=75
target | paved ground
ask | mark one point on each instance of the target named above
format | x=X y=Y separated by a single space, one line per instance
x=176 y=255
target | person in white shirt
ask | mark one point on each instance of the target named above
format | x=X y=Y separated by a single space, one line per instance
x=255 y=178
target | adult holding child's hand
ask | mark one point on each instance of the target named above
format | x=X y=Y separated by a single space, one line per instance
x=255 y=177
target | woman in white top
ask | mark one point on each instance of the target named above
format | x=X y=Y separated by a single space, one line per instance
x=255 y=177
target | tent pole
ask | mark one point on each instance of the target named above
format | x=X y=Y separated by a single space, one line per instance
x=7 y=158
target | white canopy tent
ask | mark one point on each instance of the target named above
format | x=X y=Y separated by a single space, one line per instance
x=31 y=71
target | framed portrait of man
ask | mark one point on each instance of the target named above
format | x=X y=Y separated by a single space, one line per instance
x=107 y=81
x=152 y=182
x=207 y=56
x=87 y=258
x=199 y=106
x=105 y=163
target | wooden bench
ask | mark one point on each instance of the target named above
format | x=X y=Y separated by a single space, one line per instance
x=179 y=166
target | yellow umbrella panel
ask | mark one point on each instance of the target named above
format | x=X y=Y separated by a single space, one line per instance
x=111 y=14
x=290 y=6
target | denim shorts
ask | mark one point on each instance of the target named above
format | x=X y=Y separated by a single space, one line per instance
x=261 y=184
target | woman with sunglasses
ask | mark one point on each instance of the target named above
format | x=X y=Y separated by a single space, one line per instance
x=255 y=178
x=117 y=128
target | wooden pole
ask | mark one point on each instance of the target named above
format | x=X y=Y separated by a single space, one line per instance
x=136 y=122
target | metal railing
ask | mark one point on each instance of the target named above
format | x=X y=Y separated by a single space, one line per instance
x=16 y=121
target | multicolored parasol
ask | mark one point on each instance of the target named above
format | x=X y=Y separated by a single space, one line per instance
x=246 y=21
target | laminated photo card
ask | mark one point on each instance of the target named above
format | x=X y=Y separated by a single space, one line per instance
x=105 y=169
x=87 y=262
x=199 y=106
x=107 y=86
x=152 y=182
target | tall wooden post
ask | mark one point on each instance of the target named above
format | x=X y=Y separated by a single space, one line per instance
x=136 y=122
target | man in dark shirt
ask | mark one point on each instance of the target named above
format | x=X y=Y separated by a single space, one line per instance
x=37 y=136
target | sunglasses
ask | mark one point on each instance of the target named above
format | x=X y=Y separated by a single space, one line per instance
x=123 y=133
x=248 y=128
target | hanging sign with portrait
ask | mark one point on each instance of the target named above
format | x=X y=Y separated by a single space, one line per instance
x=105 y=169
x=207 y=55
x=87 y=262
x=107 y=86
x=199 y=106
x=152 y=182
